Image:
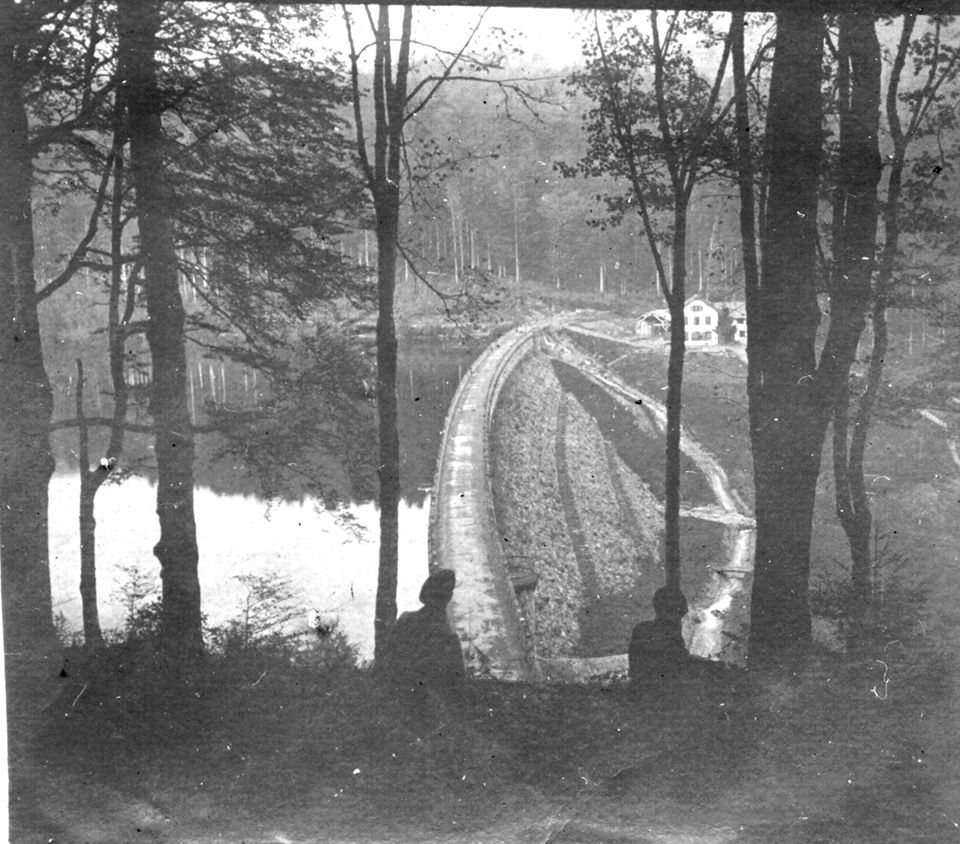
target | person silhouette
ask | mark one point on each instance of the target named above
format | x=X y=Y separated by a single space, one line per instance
x=421 y=651
x=657 y=651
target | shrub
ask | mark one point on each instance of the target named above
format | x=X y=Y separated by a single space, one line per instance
x=66 y=635
x=138 y=592
x=266 y=610
x=267 y=627
x=328 y=650
x=897 y=602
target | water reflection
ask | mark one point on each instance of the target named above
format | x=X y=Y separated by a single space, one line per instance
x=429 y=369
x=331 y=567
x=239 y=532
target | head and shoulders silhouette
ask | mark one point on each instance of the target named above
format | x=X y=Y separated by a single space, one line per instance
x=421 y=647
x=656 y=648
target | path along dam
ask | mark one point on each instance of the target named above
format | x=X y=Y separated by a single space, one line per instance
x=494 y=609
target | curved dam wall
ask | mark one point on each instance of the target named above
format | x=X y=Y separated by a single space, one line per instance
x=463 y=533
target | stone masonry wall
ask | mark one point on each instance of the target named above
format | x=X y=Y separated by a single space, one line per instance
x=527 y=502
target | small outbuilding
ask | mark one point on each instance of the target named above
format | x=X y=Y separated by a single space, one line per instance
x=736 y=315
x=653 y=324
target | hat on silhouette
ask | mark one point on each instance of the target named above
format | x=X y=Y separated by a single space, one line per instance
x=438 y=588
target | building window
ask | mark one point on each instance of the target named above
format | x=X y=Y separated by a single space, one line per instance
x=706 y=320
x=696 y=307
x=696 y=320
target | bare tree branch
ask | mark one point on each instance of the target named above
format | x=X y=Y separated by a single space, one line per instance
x=444 y=298
x=624 y=135
x=355 y=87
x=443 y=77
x=76 y=259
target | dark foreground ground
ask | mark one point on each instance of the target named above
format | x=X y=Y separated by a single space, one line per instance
x=253 y=748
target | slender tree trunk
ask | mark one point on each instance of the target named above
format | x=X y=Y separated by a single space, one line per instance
x=748 y=217
x=174 y=447
x=786 y=423
x=26 y=399
x=389 y=437
x=383 y=180
x=854 y=242
x=92 y=634
x=120 y=312
x=671 y=510
x=516 y=236
x=858 y=520
x=682 y=163
x=453 y=240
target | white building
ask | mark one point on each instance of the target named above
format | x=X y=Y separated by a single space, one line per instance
x=700 y=322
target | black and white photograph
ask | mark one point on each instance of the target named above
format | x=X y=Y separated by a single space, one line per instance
x=480 y=424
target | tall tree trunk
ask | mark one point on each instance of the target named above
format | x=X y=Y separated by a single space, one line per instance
x=389 y=436
x=797 y=395
x=676 y=301
x=748 y=215
x=120 y=312
x=786 y=425
x=858 y=518
x=516 y=237
x=92 y=634
x=453 y=243
x=855 y=216
x=176 y=550
x=682 y=161
x=26 y=400
x=383 y=180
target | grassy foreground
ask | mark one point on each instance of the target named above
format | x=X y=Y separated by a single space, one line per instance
x=253 y=747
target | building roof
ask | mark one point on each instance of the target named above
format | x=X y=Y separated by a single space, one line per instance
x=699 y=299
x=660 y=314
x=737 y=310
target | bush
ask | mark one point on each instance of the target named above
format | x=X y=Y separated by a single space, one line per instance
x=330 y=650
x=138 y=592
x=266 y=611
x=897 y=605
x=266 y=626
x=66 y=635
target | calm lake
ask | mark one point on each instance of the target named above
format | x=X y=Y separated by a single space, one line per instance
x=331 y=565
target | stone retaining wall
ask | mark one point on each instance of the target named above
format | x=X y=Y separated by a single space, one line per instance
x=527 y=502
x=571 y=511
